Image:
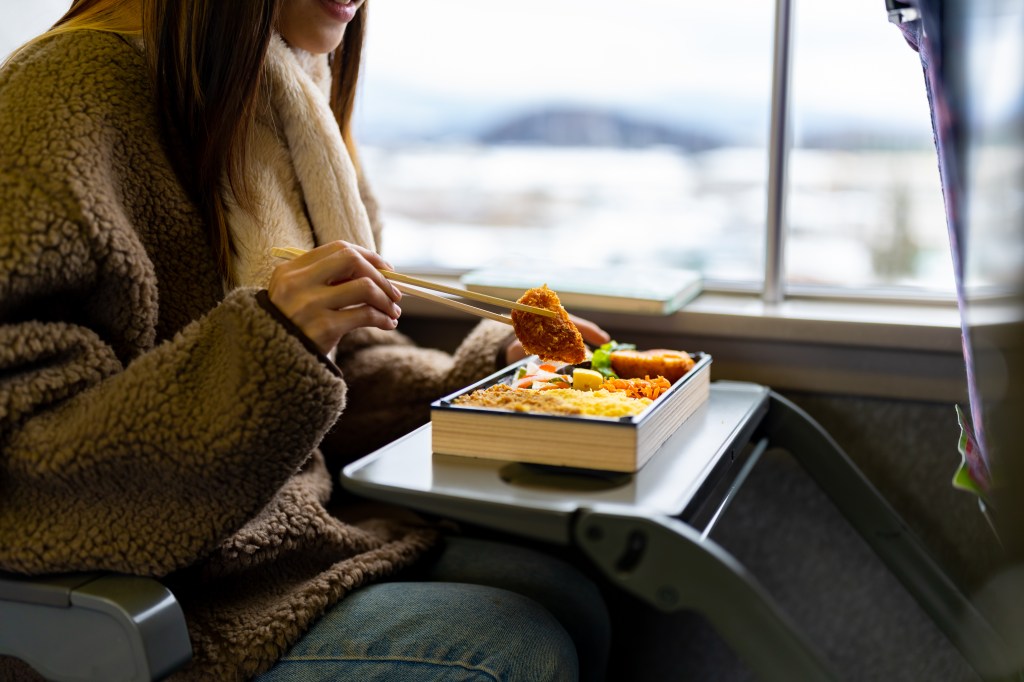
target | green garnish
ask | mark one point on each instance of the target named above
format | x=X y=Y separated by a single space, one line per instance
x=602 y=358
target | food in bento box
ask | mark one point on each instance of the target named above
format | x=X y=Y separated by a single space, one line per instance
x=548 y=388
x=636 y=387
x=599 y=403
x=631 y=363
x=584 y=379
x=549 y=338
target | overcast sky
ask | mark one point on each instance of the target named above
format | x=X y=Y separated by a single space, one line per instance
x=847 y=57
x=23 y=19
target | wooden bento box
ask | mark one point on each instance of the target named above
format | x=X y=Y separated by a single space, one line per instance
x=622 y=444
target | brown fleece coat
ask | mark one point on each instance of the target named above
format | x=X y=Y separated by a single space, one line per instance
x=151 y=424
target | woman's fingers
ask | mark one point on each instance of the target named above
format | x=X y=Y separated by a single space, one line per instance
x=354 y=292
x=327 y=328
x=333 y=289
x=339 y=262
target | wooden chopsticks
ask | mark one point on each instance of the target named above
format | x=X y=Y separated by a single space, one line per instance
x=458 y=305
x=289 y=252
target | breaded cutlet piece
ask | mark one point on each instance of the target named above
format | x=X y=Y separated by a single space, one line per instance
x=549 y=338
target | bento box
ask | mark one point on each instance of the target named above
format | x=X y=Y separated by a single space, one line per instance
x=621 y=444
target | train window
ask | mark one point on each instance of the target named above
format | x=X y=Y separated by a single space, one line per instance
x=865 y=207
x=612 y=134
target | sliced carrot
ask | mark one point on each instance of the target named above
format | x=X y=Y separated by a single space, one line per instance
x=549 y=385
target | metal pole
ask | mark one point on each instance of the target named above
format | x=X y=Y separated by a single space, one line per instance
x=778 y=154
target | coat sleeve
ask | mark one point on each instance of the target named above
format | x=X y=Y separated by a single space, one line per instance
x=143 y=469
x=118 y=452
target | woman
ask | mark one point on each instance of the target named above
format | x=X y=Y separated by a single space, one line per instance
x=164 y=383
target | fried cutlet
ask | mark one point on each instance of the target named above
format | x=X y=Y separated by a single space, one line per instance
x=549 y=338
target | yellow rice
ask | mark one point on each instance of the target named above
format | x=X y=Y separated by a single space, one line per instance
x=599 y=403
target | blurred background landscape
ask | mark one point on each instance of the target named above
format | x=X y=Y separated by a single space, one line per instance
x=592 y=135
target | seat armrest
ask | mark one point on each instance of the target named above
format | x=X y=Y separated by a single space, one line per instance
x=93 y=626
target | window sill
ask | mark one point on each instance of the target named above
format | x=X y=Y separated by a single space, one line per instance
x=872 y=349
x=927 y=327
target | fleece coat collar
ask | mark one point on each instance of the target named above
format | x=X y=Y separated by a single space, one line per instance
x=307 y=183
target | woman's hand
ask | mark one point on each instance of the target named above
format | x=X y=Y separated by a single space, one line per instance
x=592 y=334
x=335 y=288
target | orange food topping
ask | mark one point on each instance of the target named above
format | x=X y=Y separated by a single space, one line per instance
x=638 y=388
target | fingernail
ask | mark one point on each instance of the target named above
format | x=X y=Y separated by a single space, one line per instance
x=396 y=312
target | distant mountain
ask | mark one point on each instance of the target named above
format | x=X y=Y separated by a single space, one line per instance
x=397 y=114
x=591 y=127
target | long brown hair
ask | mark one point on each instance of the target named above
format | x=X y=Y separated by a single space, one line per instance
x=206 y=60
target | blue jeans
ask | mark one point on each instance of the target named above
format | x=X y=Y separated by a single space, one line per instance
x=481 y=611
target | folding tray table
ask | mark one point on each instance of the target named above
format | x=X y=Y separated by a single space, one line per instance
x=648 y=532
